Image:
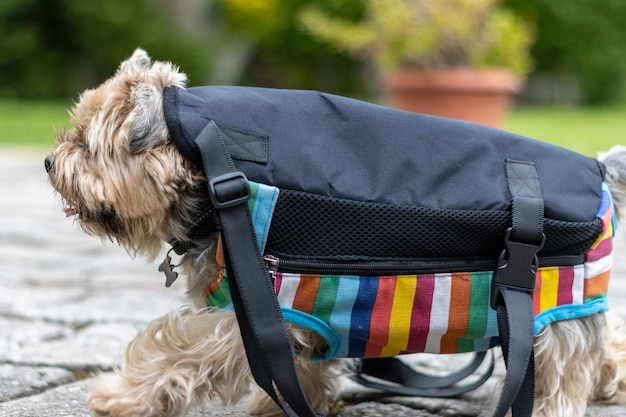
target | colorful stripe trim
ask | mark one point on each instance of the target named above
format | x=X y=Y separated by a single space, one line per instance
x=372 y=316
x=261 y=204
x=435 y=313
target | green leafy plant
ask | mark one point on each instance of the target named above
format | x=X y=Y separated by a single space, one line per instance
x=428 y=34
x=582 y=40
x=278 y=53
x=53 y=49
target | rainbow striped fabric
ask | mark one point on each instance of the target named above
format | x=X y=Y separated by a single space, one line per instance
x=374 y=316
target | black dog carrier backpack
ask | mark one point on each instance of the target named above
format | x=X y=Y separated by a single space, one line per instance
x=388 y=232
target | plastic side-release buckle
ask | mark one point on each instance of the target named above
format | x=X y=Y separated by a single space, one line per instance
x=517 y=267
x=229 y=190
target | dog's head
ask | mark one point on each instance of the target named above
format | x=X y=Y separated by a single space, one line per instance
x=116 y=169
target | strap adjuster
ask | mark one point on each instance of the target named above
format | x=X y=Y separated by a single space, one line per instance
x=229 y=190
x=517 y=267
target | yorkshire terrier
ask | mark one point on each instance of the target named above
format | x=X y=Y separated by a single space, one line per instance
x=120 y=175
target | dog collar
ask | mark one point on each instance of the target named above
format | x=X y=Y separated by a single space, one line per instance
x=201 y=229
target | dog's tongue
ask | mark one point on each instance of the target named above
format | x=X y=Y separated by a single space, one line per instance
x=70 y=211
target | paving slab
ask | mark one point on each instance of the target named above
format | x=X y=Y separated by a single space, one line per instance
x=64 y=401
x=95 y=347
x=24 y=381
x=18 y=333
x=377 y=409
x=69 y=400
x=82 y=306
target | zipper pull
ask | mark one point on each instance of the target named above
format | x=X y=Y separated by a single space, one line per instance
x=271 y=262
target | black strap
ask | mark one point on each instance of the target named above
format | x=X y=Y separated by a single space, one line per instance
x=527 y=202
x=408 y=381
x=263 y=329
x=512 y=289
x=516 y=335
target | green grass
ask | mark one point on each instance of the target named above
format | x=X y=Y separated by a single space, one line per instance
x=32 y=123
x=585 y=130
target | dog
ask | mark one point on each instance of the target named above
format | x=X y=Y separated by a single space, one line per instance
x=120 y=175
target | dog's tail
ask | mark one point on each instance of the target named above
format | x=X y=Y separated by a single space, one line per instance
x=615 y=162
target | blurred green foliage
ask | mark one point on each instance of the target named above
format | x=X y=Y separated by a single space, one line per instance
x=582 y=38
x=285 y=55
x=54 y=48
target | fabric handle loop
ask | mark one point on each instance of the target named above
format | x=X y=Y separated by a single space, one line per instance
x=407 y=381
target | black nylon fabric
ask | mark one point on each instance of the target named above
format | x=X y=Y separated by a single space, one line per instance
x=340 y=147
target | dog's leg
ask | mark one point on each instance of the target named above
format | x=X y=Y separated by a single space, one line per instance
x=172 y=366
x=610 y=385
x=568 y=357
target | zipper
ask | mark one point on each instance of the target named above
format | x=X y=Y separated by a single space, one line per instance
x=271 y=262
x=398 y=267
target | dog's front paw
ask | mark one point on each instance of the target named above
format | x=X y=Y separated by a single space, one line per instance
x=111 y=397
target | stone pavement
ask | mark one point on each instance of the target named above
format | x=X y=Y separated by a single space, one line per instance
x=69 y=303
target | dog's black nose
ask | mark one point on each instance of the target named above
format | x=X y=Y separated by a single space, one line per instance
x=48 y=162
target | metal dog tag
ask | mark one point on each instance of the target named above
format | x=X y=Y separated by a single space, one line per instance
x=168 y=269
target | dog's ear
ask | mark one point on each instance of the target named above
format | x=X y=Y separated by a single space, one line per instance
x=146 y=126
x=139 y=61
x=143 y=81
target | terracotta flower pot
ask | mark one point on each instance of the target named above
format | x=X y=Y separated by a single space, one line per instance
x=476 y=95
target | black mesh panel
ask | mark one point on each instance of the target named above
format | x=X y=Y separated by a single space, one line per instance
x=313 y=227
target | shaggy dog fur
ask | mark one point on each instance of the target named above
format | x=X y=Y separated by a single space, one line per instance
x=118 y=172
